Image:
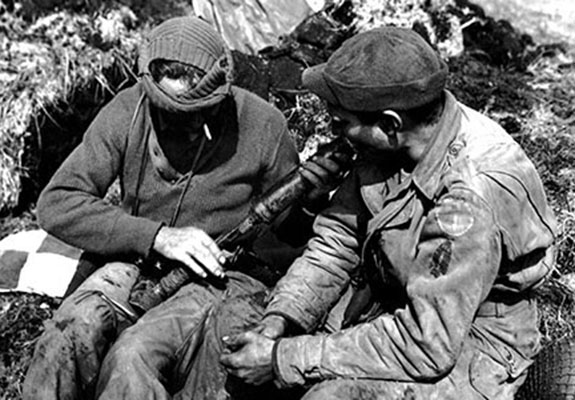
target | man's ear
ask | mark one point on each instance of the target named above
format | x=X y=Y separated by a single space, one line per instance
x=391 y=121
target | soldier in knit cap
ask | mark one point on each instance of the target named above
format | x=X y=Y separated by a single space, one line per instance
x=436 y=237
x=191 y=152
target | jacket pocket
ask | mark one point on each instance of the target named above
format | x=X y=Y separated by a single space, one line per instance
x=488 y=376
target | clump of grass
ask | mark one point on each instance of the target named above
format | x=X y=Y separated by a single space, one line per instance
x=21 y=319
x=309 y=123
x=434 y=20
x=25 y=221
x=548 y=136
x=45 y=63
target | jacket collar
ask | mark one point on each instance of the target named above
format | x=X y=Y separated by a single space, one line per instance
x=427 y=174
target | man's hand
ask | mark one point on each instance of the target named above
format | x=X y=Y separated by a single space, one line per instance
x=272 y=326
x=251 y=359
x=324 y=173
x=193 y=247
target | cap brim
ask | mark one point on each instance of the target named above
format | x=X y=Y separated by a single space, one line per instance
x=313 y=79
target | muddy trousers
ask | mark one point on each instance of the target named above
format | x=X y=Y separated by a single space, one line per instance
x=173 y=350
x=68 y=354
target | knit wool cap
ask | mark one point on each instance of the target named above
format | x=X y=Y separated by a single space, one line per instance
x=191 y=41
x=384 y=68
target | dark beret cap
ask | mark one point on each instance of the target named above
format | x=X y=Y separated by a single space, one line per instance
x=384 y=68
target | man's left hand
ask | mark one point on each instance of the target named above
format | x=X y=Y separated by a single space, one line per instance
x=324 y=174
x=249 y=357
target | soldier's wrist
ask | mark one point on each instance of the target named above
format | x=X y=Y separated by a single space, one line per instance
x=277 y=378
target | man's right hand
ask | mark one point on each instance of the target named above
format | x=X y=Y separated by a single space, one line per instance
x=272 y=326
x=193 y=247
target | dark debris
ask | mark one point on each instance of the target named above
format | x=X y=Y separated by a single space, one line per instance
x=21 y=319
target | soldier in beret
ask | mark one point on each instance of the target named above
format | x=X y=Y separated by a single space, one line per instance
x=418 y=281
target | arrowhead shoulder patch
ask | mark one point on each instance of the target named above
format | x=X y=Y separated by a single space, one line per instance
x=454 y=217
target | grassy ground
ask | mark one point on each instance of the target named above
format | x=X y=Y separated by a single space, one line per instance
x=547 y=21
x=544 y=126
x=549 y=137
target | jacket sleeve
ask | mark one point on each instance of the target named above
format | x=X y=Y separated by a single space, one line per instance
x=316 y=280
x=447 y=277
x=71 y=207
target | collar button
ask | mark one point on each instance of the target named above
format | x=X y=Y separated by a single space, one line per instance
x=455 y=148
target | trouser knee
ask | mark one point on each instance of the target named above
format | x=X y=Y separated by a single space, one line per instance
x=69 y=352
x=52 y=372
x=131 y=366
x=129 y=348
x=90 y=306
x=135 y=348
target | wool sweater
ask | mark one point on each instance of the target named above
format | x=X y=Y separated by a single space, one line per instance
x=250 y=149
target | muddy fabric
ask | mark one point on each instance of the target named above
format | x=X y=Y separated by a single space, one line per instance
x=188 y=328
x=446 y=251
x=471 y=379
x=475 y=375
x=67 y=357
x=199 y=375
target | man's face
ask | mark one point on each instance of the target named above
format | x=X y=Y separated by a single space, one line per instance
x=366 y=134
x=189 y=124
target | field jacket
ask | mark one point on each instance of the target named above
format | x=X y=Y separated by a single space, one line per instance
x=456 y=246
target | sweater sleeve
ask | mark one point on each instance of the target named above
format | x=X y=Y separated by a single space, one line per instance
x=71 y=207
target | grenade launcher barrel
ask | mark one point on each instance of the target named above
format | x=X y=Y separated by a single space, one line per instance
x=273 y=202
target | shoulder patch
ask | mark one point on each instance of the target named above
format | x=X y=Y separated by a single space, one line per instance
x=454 y=217
x=440 y=259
